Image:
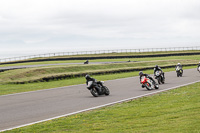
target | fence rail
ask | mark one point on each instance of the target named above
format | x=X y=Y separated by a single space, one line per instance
x=100 y=52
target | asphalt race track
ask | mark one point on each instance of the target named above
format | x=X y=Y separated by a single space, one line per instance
x=56 y=64
x=24 y=108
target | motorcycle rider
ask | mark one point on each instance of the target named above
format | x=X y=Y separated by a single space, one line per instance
x=86 y=62
x=198 y=67
x=180 y=66
x=157 y=68
x=88 y=78
x=147 y=76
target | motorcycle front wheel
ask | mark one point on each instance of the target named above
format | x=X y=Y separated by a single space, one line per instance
x=148 y=86
x=181 y=74
x=163 y=80
x=94 y=92
x=177 y=74
x=159 y=80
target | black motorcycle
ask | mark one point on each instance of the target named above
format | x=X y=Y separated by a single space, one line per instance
x=94 y=88
x=160 y=77
x=86 y=62
x=179 y=72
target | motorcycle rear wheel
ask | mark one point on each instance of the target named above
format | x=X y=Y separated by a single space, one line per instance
x=148 y=87
x=107 y=91
x=159 y=80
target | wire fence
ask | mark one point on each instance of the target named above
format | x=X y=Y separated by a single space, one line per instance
x=48 y=55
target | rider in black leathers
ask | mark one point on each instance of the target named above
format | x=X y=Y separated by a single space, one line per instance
x=86 y=62
x=146 y=75
x=88 y=78
x=157 y=68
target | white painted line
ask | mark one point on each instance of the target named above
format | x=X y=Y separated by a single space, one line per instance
x=108 y=104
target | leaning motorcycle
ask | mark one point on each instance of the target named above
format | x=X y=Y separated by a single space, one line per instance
x=148 y=83
x=93 y=87
x=179 y=72
x=86 y=62
x=159 y=76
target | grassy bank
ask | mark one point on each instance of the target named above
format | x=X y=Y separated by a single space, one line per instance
x=172 y=111
x=41 y=73
x=128 y=53
x=17 y=88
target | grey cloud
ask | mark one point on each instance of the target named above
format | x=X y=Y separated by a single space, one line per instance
x=78 y=23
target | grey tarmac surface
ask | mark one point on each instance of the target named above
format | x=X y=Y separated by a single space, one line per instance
x=42 y=65
x=24 y=108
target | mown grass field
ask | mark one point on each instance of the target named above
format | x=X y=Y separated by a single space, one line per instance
x=174 y=111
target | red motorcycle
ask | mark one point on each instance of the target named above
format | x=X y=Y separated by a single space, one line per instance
x=148 y=83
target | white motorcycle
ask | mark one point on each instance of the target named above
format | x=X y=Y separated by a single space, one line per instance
x=159 y=76
x=179 y=71
x=198 y=69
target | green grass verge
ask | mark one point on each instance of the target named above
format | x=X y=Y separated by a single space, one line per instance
x=17 y=88
x=174 y=111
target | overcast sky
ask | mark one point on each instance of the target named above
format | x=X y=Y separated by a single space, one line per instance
x=36 y=26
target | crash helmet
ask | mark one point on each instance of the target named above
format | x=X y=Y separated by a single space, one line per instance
x=140 y=73
x=87 y=76
x=156 y=66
